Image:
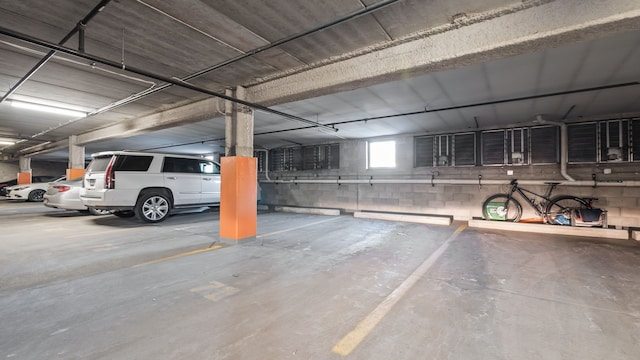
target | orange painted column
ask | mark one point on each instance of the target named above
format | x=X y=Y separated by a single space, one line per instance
x=24 y=178
x=238 y=197
x=74 y=173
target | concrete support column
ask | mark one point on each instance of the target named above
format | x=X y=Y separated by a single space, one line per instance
x=238 y=198
x=238 y=126
x=238 y=193
x=24 y=174
x=76 y=159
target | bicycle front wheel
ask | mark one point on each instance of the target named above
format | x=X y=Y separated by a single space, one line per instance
x=559 y=209
x=501 y=207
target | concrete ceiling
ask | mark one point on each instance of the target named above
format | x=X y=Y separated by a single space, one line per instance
x=408 y=67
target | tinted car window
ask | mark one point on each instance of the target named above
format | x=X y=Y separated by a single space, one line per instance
x=132 y=163
x=42 y=178
x=172 y=164
x=9 y=182
x=99 y=163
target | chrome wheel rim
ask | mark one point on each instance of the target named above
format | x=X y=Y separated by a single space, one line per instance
x=38 y=196
x=155 y=208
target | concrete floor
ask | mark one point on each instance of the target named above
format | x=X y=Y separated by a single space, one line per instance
x=74 y=286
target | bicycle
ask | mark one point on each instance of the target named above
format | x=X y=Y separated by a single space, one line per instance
x=556 y=210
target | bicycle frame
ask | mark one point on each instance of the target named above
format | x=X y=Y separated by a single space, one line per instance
x=554 y=210
x=540 y=207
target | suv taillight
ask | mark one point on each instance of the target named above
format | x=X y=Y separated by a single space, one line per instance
x=62 y=188
x=110 y=175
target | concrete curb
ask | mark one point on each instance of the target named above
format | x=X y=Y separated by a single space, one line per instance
x=551 y=229
x=422 y=219
x=301 y=210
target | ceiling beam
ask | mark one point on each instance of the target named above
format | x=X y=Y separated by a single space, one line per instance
x=194 y=112
x=526 y=27
x=523 y=28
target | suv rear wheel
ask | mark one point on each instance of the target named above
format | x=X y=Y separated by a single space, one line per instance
x=153 y=206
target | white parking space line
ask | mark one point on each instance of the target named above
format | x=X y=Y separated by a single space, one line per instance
x=295 y=228
x=351 y=341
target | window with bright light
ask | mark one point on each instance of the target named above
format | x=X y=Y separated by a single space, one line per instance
x=382 y=154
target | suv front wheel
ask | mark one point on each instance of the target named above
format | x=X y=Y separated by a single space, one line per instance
x=153 y=206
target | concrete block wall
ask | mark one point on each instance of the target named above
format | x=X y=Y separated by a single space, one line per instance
x=461 y=201
x=9 y=170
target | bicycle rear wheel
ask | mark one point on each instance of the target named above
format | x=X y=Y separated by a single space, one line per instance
x=501 y=207
x=559 y=209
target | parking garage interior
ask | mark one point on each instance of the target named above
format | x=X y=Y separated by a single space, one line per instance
x=377 y=130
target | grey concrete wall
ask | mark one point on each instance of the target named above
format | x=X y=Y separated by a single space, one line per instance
x=461 y=201
x=55 y=168
x=9 y=170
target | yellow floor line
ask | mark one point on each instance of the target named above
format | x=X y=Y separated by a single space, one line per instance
x=295 y=228
x=351 y=341
x=194 y=252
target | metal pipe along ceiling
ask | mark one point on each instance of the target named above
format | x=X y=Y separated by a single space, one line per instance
x=47 y=57
x=416 y=113
x=457 y=107
x=494 y=102
x=364 y=11
x=451 y=182
x=151 y=75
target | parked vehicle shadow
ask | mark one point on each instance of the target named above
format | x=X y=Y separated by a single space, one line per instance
x=178 y=217
x=67 y=214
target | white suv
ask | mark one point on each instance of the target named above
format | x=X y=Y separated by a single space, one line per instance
x=149 y=185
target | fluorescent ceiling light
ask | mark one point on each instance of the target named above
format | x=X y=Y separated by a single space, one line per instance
x=47 y=108
x=4 y=142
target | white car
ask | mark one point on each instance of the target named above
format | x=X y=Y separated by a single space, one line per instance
x=29 y=192
x=149 y=185
x=66 y=195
